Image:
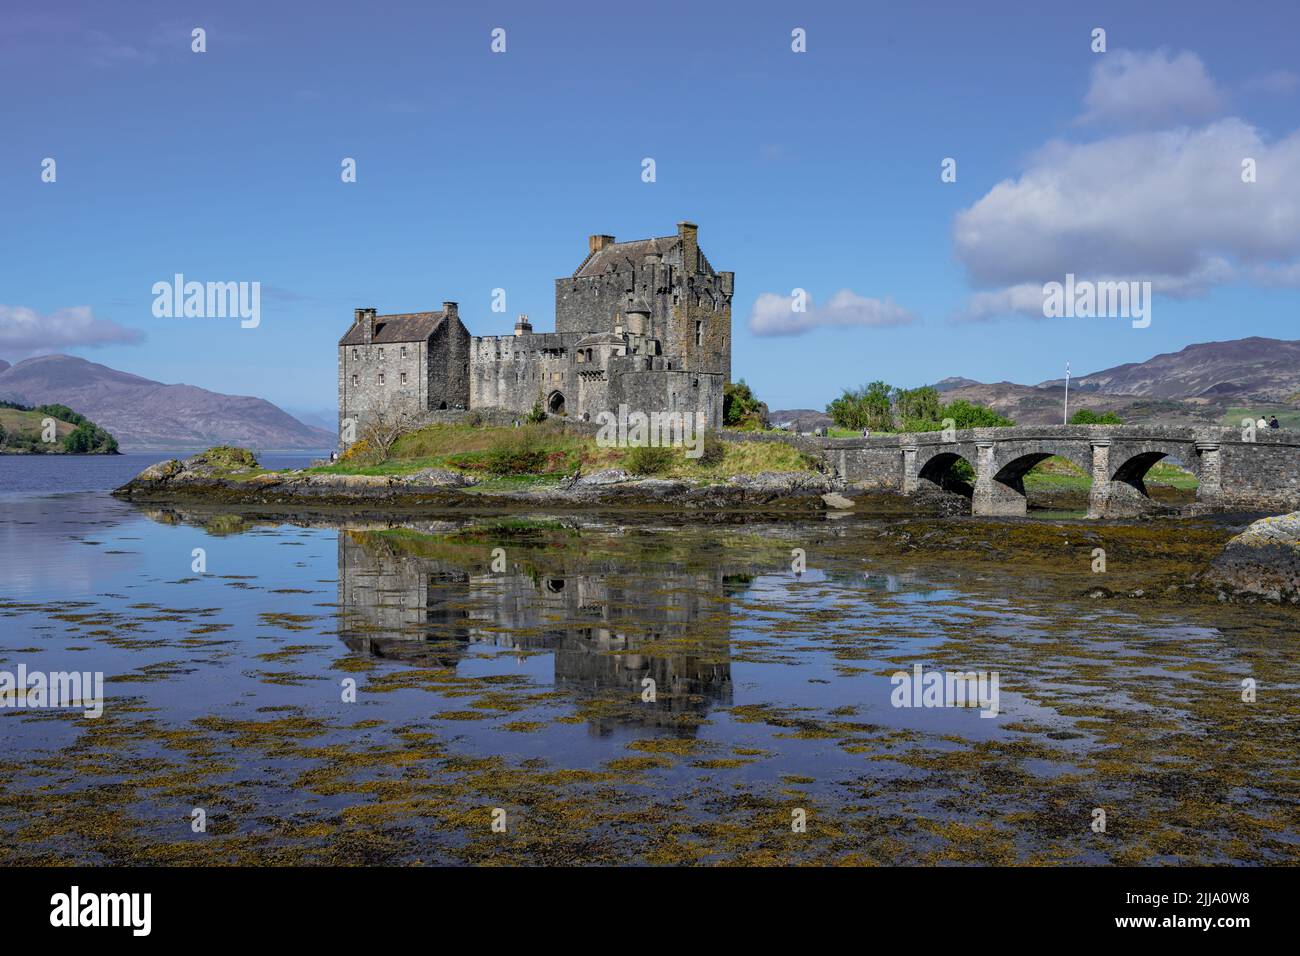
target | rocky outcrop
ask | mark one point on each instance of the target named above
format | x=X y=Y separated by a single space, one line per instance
x=224 y=479
x=1262 y=563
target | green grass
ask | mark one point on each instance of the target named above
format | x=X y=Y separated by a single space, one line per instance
x=29 y=423
x=543 y=452
x=1287 y=417
x=1061 y=474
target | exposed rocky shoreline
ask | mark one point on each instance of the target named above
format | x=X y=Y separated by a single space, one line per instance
x=1260 y=564
x=195 y=478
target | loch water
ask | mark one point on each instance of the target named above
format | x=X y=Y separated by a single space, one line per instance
x=609 y=689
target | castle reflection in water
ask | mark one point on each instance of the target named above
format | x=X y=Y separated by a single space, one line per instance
x=607 y=622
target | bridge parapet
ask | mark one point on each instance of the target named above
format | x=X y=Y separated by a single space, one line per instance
x=1235 y=469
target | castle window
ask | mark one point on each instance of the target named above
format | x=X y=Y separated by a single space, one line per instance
x=403 y=378
x=403 y=354
x=355 y=355
x=381 y=378
x=381 y=353
x=699 y=332
x=356 y=379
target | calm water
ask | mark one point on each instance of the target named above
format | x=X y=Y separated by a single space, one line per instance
x=650 y=693
x=50 y=474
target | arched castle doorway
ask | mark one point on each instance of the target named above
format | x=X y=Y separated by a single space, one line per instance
x=555 y=403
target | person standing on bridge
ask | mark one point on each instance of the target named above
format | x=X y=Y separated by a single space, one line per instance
x=1262 y=423
x=1274 y=423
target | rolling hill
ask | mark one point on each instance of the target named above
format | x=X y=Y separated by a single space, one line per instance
x=144 y=415
x=1210 y=383
x=1252 y=370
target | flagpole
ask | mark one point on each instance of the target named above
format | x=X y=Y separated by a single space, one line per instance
x=1065 y=417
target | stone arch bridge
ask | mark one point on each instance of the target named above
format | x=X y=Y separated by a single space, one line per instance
x=1258 y=471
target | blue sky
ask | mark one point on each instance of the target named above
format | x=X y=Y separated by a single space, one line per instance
x=816 y=170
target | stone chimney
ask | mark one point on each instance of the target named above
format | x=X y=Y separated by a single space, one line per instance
x=596 y=243
x=523 y=326
x=450 y=310
x=688 y=232
x=366 y=319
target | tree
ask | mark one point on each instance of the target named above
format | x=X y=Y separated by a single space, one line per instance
x=866 y=407
x=918 y=404
x=385 y=428
x=80 y=440
x=969 y=415
x=739 y=406
x=1086 y=416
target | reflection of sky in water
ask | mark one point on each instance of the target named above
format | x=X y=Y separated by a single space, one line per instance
x=736 y=635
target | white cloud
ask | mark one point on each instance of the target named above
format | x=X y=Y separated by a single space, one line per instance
x=1150 y=89
x=25 y=332
x=774 y=314
x=1165 y=207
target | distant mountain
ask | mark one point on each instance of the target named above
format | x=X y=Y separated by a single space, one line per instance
x=326 y=419
x=3 y=365
x=1252 y=370
x=807 y=418
x=1196 y=386
x=953 y=381
x=144 y=414
x=1045 y=404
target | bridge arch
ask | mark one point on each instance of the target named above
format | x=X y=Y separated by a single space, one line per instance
x=1127 y=465
x=938 y=470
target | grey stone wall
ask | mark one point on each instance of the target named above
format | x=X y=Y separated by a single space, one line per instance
x=1262 y=474
x=515 y=371
x=393 y=376
x=449 y=366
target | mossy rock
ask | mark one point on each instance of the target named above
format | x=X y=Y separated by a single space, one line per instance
x=224 y=458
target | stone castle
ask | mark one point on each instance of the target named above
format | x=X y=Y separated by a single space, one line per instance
x=645 y=324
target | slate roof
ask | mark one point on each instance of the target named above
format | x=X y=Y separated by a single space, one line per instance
x=601 y=338
x=598 y=263
x=403 y=327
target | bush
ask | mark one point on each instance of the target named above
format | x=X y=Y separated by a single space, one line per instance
x=917 y=404
x=883 y=408
x=226 y=458
x=1086 y=416
x=715 y=450
x=358 y=451
x=866 y=407
x=969 y=415
x=538 y=414
x=740 y=409
x=517 y=453
x=64 y=413
x=649 y=460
